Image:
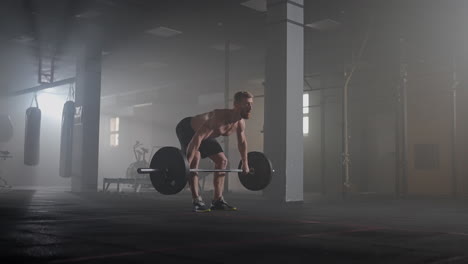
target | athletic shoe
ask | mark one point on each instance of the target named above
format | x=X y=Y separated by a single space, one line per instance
x=222 y=205
x=200 y=207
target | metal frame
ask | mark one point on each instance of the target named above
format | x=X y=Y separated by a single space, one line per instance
x=46 y=69
x=44 y=86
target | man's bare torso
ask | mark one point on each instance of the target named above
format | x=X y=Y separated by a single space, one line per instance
x=218 y=120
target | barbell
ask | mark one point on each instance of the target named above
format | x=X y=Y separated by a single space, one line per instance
x=169 y=170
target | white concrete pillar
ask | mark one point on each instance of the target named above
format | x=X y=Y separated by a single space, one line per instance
x=284 y=86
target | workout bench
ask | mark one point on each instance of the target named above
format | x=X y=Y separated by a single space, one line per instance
x=137 y=183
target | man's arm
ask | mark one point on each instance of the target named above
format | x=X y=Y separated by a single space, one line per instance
x=194 y=144
x=242 y=144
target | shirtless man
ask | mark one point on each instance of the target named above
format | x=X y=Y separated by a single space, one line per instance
x=197 y=138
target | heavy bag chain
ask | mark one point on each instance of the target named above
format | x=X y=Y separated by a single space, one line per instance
x=71 y=92
x=34 y=100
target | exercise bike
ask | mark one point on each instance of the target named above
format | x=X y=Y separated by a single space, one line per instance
x=141 y=180
x=140 y=160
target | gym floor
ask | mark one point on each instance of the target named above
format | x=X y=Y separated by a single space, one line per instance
x=57 y=226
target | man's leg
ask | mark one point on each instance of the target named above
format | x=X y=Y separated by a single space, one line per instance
x=218 y=202
x=185 y=133
x=193 y=176
x=220 y=162
x=197 y=201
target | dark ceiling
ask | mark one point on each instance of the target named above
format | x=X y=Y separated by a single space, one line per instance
x=434 y=31
x=33 y=29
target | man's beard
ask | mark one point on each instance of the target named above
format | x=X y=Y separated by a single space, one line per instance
x=245 y=115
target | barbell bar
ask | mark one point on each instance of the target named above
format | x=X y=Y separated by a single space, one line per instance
x=215 y=170
x=147 y=170
x=169 y=170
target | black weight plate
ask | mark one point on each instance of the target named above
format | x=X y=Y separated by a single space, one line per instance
x=262 y=174
x=174 y=169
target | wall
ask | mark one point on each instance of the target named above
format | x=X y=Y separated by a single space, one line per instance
x=430 y=122
x=155 y=126
x=312 y=145
x=378 y=133
x=46 y=173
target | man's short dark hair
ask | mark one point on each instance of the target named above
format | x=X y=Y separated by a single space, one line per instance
x=241 y=95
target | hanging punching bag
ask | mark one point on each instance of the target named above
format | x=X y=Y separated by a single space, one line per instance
x=66 y=139
x=32 y=136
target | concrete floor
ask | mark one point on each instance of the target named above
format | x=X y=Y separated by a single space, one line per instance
x=55 y=226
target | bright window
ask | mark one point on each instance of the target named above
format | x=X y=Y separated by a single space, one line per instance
x=305 y=125
x=305 y=112
x=114 y=131
x=305 y=103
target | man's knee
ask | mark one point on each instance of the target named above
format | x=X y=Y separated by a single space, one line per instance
x=221 y=162
x=196 y=160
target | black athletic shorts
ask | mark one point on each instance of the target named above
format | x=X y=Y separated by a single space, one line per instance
x=185 y=132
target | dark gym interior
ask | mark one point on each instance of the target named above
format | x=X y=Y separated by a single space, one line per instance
x=336 y=131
